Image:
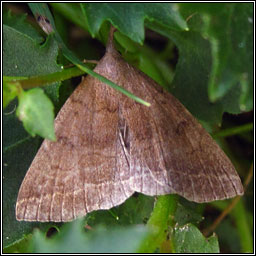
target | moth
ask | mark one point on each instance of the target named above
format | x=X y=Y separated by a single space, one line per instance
x=108 y=147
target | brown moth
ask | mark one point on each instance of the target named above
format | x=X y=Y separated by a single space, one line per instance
x=108 y=146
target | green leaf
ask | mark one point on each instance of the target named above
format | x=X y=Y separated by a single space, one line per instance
x=129 y=18
x=72 y=239
x=35 y=110
x=187 y=212
x=188 y=239
x=229 y=28
x=23 y=56
x=19 y=23
x=22 y=246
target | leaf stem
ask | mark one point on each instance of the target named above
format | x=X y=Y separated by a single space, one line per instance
x=36 y=81
x=233 y=130
x=162 y=217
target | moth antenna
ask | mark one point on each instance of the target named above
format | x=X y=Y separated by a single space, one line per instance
x=110 y=43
